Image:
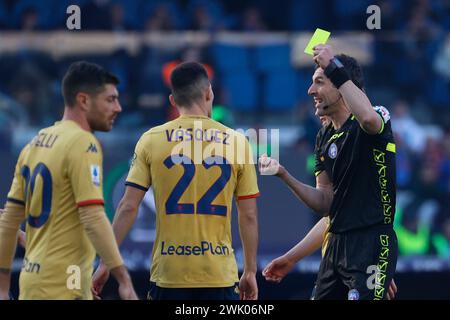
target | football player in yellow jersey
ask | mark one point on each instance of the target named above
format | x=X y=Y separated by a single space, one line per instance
x=194 y=166
x=57 y=189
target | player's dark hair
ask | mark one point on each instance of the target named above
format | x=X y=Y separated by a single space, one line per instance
x=85 y=77
x=188 y=80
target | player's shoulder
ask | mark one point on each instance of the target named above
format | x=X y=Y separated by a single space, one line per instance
x=230 y=131
x=213 y=124
x=383 y=112
x=78 y=139
x=147 y=136
x=172 y=124
x=23 y=153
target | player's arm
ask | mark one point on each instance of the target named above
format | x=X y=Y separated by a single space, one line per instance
x=357 y=101
x=360 y=106
x=278 y=268
x=86 y=177
x=124 y=219
x=318 y=199
x=310 y=243
x=21 y=238
x=126 y=212
x=248 y=230
x=10 y=221
x=101 y=235
x=138 y=182
x=13 y=215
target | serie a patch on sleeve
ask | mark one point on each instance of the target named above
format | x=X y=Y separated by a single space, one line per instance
x=383 y=112
x=95 y=174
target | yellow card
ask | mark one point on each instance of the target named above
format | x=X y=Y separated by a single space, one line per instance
x=319 y=37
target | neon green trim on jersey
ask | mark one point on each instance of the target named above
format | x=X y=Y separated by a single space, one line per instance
x=391 y=147
x=382 y=124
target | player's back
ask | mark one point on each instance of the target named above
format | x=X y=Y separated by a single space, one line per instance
x=54 y=167
x=193 y=166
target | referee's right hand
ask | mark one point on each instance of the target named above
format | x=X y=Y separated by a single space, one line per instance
x=269 y=166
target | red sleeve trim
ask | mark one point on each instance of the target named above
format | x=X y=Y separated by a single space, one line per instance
x=90 y=202
x=256 y=195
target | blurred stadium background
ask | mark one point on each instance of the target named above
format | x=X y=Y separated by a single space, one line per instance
x=254 y=52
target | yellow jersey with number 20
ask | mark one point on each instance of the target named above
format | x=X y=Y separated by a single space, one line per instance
x=57 y=172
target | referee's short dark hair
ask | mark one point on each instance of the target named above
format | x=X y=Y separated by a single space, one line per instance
x=188 y=81
x=353 y=69
x=85 y=77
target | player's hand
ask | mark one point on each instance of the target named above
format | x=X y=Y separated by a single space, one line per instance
x=126 y=291
x=1 y=211
x=248 y=287
x=269 y=166
x=101 y=275
x=322 y=54
x=277 y=269
x=392 y=290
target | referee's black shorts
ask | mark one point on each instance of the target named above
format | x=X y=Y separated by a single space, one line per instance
x=359 y=264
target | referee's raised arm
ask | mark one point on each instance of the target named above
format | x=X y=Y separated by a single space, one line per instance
x=355 y=99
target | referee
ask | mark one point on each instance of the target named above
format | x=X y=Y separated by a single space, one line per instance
x=355 y=182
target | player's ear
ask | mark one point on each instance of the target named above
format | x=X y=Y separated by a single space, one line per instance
x=82 y=100
x=172 y=100
x=209 y=94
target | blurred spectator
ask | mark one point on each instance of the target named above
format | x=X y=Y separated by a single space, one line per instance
x=96 y=15
x=12 y=116
x=117 y=20
x=29 y=86
x=409 y=131
x=252 y=20
x=404 y=164
x=202 y=20
x=160 y=20
x=441 y=63
x=29 y=19
x=445 y=166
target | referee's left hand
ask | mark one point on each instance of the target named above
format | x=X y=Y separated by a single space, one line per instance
x=322 y=54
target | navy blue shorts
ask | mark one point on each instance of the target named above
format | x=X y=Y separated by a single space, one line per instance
x=225 y=293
